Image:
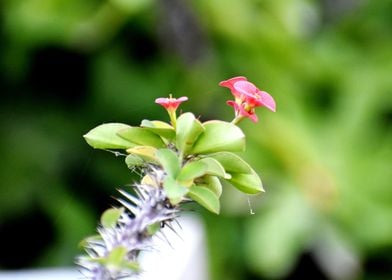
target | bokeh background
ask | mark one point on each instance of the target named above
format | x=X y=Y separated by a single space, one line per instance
x=325 y=156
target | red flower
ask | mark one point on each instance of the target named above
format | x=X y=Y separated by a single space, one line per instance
x=242 y=112
x=247 y=98
x=230 y=84
x=171 y=104
x=253 y=96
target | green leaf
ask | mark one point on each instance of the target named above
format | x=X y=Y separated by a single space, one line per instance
x=91 y=239
x=187 y=132
x=117 y=256
x=131 y=265
x=192 y=170
x=169 y=161
x=147 y=153
x=214 y=167
x=133 y=160
x=205 y=197
x=231 y=162
x=248 y=183
x=141 y=136
x=174 y=191
x=152 y=229
x=110 y=217
x=105 y=136
x=219 y=136
x=214 y=184
x=160 y=128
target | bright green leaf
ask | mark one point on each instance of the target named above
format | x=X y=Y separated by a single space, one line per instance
x=192 y=170
x=214 y=184
x=248 y=183
x=141 y=136
x=117 y=256
x=174 y=191
x=219 y=136
x=91 y=239
x=105 y=136
x=231 y=162
x=205 y=197
x=110 y=217
x=169 y=161
x=133 y=160
x=187 y=132
x=160 y=128
x=214 y=167
x=152 y=229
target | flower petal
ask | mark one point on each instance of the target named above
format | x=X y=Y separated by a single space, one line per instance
x=230 y=84
x=171 y=103
x=267 y=100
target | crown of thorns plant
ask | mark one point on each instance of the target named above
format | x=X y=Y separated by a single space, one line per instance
x=181 y=161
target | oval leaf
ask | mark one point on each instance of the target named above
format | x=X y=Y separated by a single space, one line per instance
x=160 y=128
x=141 y=136
x=105 y=136
x=174 y=191
x=133 y=161
x=169 y=161
x=219 y=136
x=187 y=131
x=205 y=197
x=232 y=163
x=248 y=183
x=192 y=170
x=147 y=153
x=110 y=217
x=214 y=167
x=214 y=184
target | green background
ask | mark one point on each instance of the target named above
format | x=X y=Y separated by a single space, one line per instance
x=325 y=156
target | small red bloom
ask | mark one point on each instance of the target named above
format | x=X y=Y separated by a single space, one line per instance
x=247 y=98
x=230 y=84
x=253 y=96
x=242 y=112
x=171 y=104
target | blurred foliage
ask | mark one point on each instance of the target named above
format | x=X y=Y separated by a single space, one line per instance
x=325 y=156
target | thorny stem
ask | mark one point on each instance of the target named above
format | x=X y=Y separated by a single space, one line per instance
x=148 y=207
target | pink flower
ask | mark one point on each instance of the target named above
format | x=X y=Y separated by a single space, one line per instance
x=247 y=98
x=171 y=104
x=242 y=112
x=230 y=84
x=253 y=96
